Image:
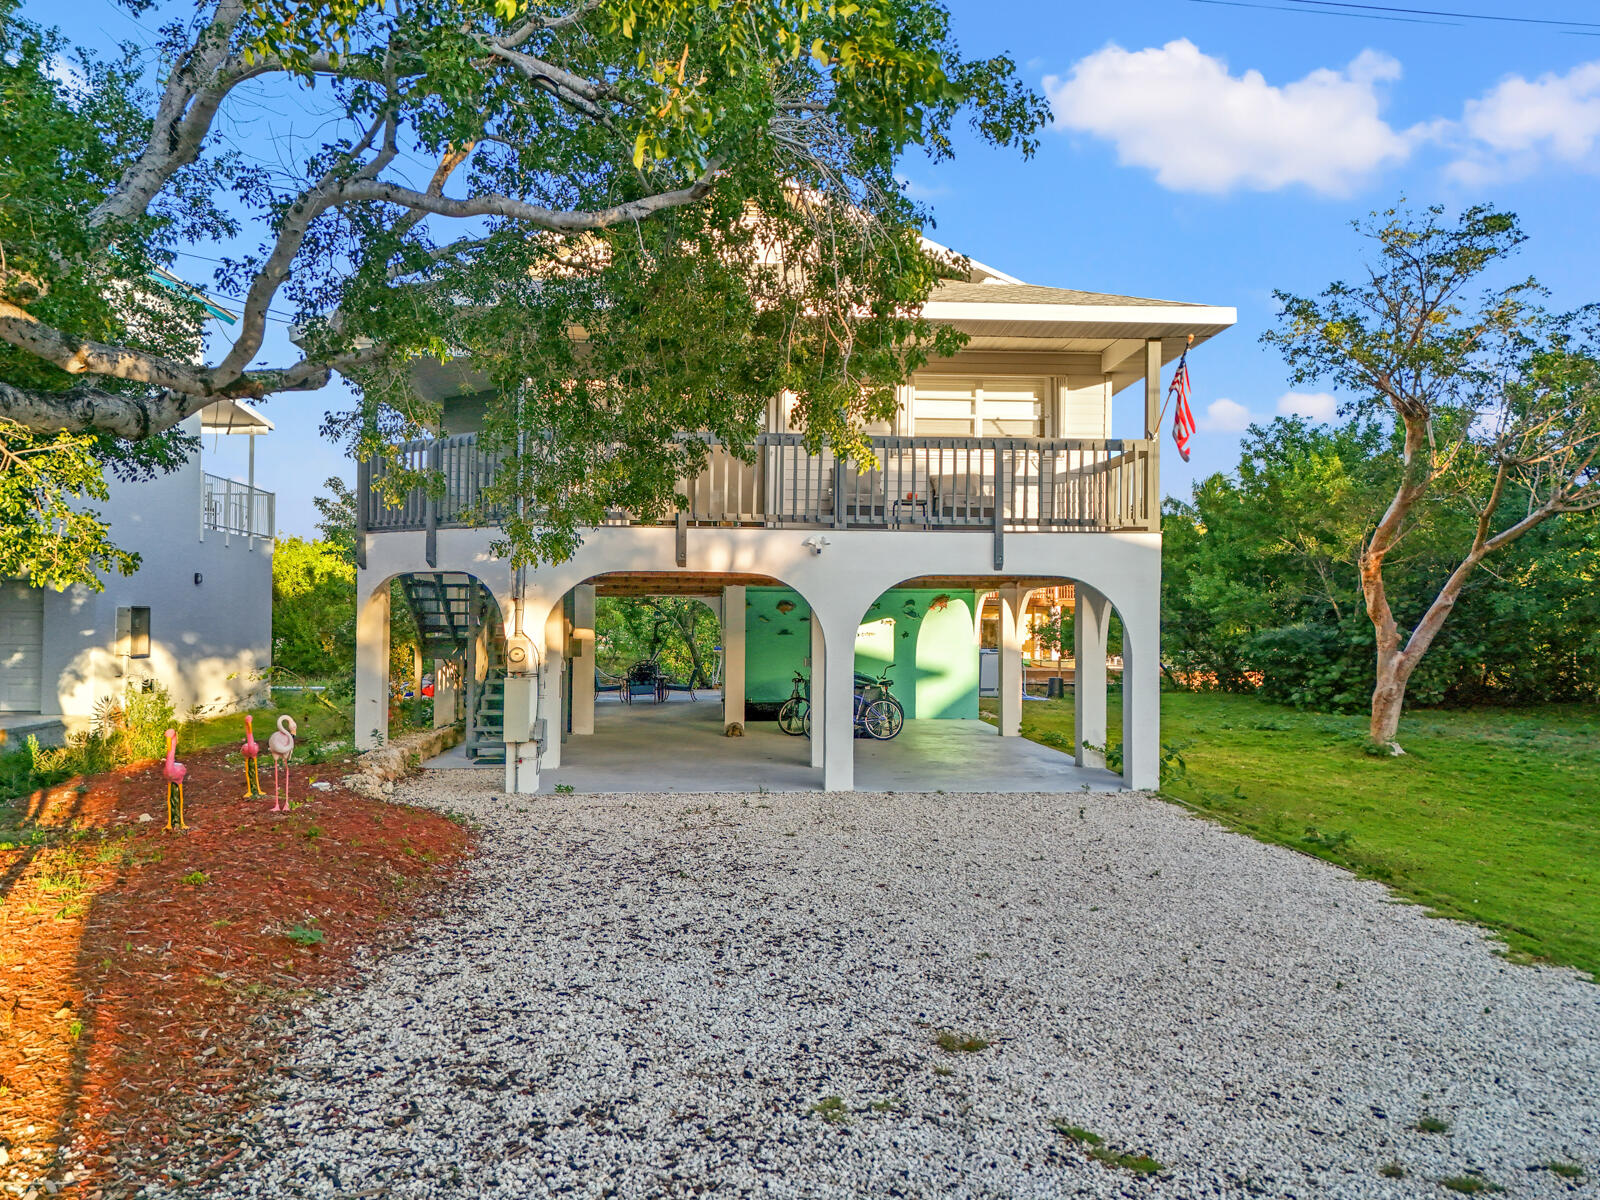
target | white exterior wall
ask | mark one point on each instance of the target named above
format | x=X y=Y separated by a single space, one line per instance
x=209 y=642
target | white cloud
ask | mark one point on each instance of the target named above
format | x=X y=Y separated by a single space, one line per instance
x=1316 y=406
x=1225 y=416
x=69 y=75
x=920 y=191
x=1182 y=114
x=1520 y=124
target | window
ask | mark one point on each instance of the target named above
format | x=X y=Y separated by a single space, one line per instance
x=968 y=407
x=133 y=632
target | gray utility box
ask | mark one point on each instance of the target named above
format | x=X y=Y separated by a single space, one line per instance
x=521 y=707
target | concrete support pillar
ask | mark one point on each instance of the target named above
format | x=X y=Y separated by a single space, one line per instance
x=444 y=695
x=838 y=711
x=819 y=696
x=551 y=707
x=1141 y=695
x=1013 y=603
x=1091 y=624
x=733 y=655
x=583 y=659
x=371 y=714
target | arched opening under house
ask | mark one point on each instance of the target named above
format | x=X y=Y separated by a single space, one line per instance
x=962 y=659
x=440 y=639
x=673 y=682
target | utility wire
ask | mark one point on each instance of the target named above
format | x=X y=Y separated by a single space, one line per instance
x=1433 y=12
x=1423 y=16
x=1315 y=12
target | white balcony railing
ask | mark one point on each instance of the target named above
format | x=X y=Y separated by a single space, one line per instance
x=236 y=509
x=994 y=485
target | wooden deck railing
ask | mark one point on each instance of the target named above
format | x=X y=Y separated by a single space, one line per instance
x=997 y=484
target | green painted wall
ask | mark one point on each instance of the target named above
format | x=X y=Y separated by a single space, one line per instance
x=925 y=637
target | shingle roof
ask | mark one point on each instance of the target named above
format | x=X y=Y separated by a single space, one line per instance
x=958 y=292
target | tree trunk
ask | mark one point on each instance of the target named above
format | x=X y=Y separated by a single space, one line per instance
x=1388 y=700
x=686 y=623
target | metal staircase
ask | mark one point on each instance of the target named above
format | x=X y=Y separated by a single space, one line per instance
x=454 y=614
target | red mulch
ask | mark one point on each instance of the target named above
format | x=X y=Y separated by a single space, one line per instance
x=141 y=1002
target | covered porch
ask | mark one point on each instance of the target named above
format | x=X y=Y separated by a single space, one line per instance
x=679 y=747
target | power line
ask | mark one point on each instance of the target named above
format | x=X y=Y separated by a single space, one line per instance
x=1312 y=12
x=1422 y=16
x=1434 y=12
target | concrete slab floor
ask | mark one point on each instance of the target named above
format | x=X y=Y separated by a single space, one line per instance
x=678 y=747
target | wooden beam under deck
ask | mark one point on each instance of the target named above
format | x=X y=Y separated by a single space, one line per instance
x=702 y=583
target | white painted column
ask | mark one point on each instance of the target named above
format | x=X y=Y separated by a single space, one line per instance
x=555 y=647
x=819 y=695
x=733 y=643
x=444 y=696
x=1012 y=602
x=583 y=659
x=1141 y=694
x=839 y=680
x=1091 y=623
x=371 y=714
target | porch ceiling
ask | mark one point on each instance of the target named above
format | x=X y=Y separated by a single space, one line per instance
x=705 y=583
x=674 y=583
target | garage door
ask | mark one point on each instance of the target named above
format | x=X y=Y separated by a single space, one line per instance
x=21 y=645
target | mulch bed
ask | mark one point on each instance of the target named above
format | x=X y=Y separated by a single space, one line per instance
x=148 y=978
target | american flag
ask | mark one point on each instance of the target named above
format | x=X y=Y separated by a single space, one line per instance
x=1183 y=425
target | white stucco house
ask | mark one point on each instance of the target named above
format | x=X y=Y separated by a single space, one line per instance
x=196 y=616
x=1000 y=474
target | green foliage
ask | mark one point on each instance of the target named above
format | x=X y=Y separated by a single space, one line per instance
x=50 y=535
x=132 y=729
x=1469 y=1185
x=831 y=1109
x=637 y=170
x=1492 y=815
x=680 y=635
x=306 y=934
x=960 y=1043
x=1095 y=1146
x=73 y=124
x=313 y=607
x=1483 y=410
x=136 y=725
x=1261 y=586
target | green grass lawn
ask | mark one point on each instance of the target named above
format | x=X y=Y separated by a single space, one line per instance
x=1493 y=815
x=316 y=722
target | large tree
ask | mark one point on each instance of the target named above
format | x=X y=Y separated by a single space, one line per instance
x=632 y=218
x=1493 y=405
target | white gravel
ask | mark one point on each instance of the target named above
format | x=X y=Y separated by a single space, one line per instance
x=643 y=996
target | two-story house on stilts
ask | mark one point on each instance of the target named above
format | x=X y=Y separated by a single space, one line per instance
x=1000 y=475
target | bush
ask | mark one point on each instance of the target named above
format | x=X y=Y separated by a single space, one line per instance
x=136 y=726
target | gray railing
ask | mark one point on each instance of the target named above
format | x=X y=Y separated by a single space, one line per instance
x=235 y=509
x=999 y=484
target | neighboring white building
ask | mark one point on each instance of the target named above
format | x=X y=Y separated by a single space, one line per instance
x=1000 y=474
x=196 y=616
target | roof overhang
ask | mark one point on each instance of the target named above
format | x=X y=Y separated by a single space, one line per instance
x=1087 y=321
x=233 y=416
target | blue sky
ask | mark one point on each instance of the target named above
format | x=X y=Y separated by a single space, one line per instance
x=1208 y=152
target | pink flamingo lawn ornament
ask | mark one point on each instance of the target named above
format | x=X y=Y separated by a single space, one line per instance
x=252 y=762
x=174 y=772
x=281 y=746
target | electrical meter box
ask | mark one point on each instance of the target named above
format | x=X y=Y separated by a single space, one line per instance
x=519 y=653
x=521 y=707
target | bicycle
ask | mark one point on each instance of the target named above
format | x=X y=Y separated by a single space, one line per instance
x=888 y=715
x=794 y=718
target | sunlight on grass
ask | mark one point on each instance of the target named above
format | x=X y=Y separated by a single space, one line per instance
x=1492 y=815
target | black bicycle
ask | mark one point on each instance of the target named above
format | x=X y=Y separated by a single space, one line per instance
x=794 y=717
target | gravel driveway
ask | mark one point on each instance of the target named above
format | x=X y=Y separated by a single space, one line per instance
x=644 y=996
